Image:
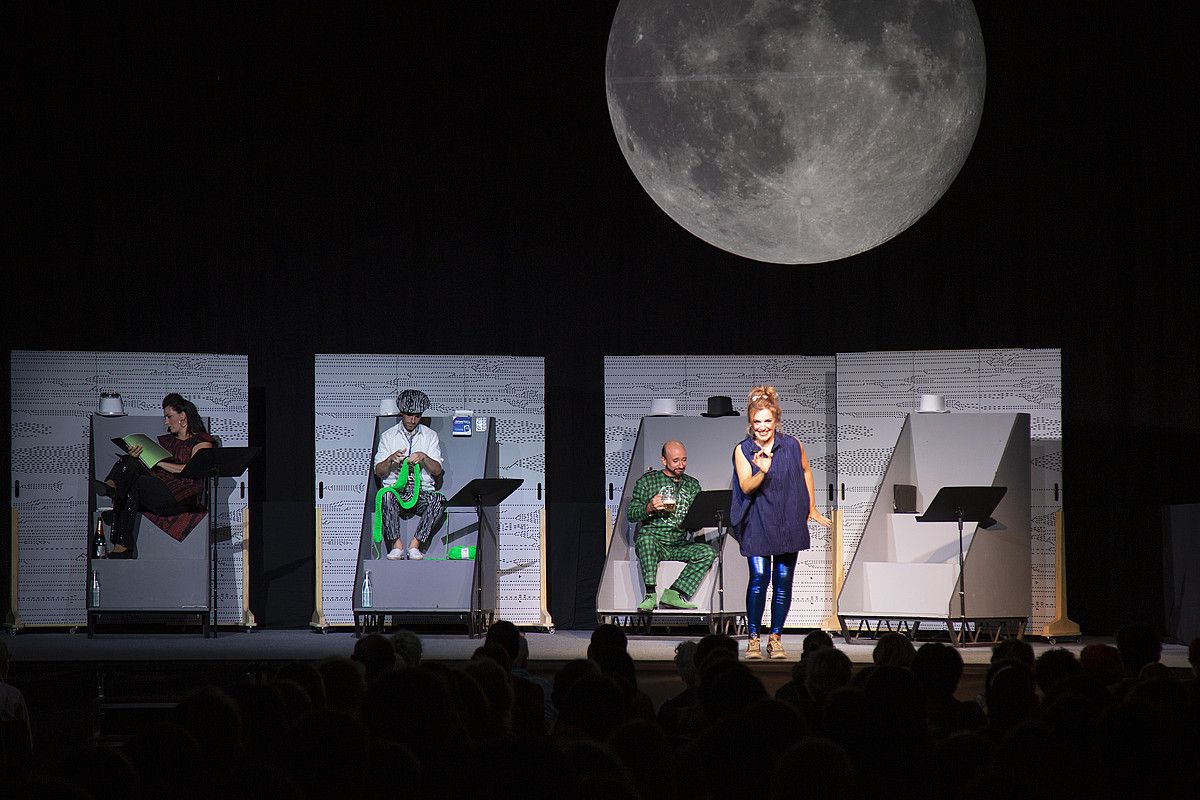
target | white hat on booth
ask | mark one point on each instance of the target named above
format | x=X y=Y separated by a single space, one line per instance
x=663 y=407
x=933 y=404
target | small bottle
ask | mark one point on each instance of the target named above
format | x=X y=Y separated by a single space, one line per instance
x=366 y=589
x=95 y=590
x=98 y=550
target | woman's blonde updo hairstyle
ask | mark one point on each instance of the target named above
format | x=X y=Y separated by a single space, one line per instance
x=761 y=397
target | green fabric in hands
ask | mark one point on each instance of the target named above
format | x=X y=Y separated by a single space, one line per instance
x=396 y=489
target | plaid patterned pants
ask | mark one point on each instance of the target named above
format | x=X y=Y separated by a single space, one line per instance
x=652 y=549
x=429 y=508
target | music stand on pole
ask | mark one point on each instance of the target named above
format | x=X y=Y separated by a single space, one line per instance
x=711 y=509
x=479 y=494
x=964 y=504
x=209 y=465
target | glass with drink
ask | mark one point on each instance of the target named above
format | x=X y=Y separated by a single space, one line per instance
x=668 y=497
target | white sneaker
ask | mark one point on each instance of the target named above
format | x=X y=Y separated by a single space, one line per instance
x=414 y=554
x=396 y=554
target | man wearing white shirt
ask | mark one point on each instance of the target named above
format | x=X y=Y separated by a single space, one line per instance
x=417 y=445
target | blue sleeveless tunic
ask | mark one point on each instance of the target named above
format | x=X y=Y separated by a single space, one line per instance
x=774 y=519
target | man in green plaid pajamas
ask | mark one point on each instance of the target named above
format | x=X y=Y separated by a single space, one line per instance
x=660 y=536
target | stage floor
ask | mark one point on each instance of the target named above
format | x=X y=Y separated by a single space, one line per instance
x=309 y=645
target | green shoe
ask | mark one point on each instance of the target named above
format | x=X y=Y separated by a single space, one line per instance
x=671 y=599
x=649 y=602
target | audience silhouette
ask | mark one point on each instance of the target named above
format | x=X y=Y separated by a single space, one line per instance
x=384 y=723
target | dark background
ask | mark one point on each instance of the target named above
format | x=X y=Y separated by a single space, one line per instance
x=287 y=182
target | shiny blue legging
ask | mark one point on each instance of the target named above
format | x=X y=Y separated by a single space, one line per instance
x=756 y=590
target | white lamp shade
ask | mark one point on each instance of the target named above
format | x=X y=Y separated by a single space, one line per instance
x=388 y=407
x=111 y=404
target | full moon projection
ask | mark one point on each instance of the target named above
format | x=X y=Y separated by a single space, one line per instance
x=795 y=132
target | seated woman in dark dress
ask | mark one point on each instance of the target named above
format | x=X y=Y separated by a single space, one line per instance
x=169 y=500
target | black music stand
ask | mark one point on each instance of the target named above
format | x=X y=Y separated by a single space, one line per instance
x=479 y=494
x=711 y=509
x=209 y=465
x=964 y=504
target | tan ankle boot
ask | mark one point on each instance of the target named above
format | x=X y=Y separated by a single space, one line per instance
x=753 y=649
x=775 y=646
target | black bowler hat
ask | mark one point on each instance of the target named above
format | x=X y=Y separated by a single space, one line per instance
x=720 y=407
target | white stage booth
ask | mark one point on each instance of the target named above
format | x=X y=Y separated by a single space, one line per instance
x=507 y=394
x=877 y=391
x=806 y=391
x=54 y=398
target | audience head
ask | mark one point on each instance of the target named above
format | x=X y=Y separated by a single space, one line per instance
x=618 y=665
x=522 y=659
x=844 y=718
x=324 y=737
x=938 y=669
x=895 y=649
x=571 y=673
x=729 y=690
x=607 y=635
x=776 y=724
x=592 y=707
x=817 y=640
x=5 y=660
x=102 y=771
x=1139 y=645
x=167 y=757
x=263 y=714
x=407 y=646
x=1053 y=667
x=1102 y=662
x=490 y=670
x=494 y=653
x=344 y=684
x=685 y=661
x=212 y=717
x=375 y=654
x=1153 y=670
x=296 y=700
x=826 y=766
x=714 y=664
x=647 y=756
x=893 y=693
x=471 y=704
x=828 y=669
x=306 y=677
x=1010 y=692
x=505 y=634
x=411 y=706
x=714 y=643
x=1015 y=649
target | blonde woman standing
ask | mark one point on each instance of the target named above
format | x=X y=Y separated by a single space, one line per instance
x=773 y=500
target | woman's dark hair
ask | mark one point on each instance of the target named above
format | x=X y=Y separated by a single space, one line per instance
x=176 y=403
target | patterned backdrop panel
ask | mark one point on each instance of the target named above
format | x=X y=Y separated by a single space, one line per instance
x=876 y=390
x=806 y=387
x=349 y=389
x=54 y=395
